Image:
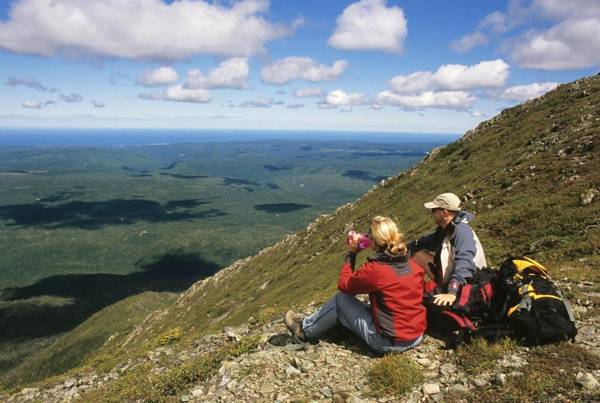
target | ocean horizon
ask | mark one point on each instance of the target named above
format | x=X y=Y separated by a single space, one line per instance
x=131 y=137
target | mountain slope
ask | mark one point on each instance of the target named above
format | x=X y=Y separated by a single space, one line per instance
x=523 y=172
x=531 y=174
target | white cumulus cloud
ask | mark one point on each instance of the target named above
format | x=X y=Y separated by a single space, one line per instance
x=412 y=83
x=556 y=34
x=308 y=92
x=486 y=74
x=291 y=68
x=32 y=104
x=161 y=76
x=446 y=88
x=261 y=102
x=36 y=104
x=493 y=24
x=177 y=93
x=469 y=41
x=342 y=98
x=139 y=29
x=231 y=73
x=455 y=100
x=370 y=25
x=453 y=77
x=527 y=91
x=571 y=44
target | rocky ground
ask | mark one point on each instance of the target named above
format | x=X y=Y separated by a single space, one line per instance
x=333 y=369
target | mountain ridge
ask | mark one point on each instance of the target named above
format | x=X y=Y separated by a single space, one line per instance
x=469 y=195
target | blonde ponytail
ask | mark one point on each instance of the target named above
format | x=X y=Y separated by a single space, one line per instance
x=386 y=235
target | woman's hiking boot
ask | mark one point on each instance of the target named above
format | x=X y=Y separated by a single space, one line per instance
x=294 y=324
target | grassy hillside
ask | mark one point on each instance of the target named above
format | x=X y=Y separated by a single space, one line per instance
x=523 y=172
x=73 y=348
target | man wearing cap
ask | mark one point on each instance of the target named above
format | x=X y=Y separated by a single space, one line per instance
x=458 y=252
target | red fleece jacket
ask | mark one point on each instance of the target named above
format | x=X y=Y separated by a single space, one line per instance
x=395 y=288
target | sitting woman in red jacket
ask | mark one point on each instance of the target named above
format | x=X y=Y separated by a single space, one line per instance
x=395 y=319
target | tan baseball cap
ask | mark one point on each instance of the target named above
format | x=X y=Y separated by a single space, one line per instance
x=448 y=201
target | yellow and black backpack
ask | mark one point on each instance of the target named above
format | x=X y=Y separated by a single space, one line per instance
x=531 y=303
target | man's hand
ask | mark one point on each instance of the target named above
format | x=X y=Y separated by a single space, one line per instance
x=444 y=299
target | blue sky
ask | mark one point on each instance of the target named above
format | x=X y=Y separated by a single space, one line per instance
x=369 y=65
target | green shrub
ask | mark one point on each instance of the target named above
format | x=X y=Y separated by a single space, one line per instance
x=169 y=337
x=394 y=374
x=481 y=354
x=245 y=345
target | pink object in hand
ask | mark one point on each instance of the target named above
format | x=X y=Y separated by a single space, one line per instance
x=363 y=241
